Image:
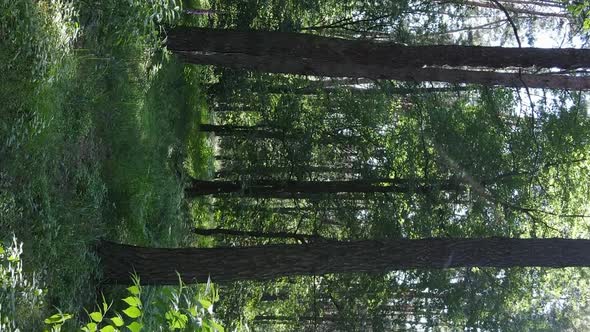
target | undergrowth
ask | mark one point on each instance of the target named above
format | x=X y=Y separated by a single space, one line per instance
x=95 y=137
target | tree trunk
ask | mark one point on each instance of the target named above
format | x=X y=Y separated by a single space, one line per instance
x=373 y=89
x=199 y=11
x=266 y=235
x=517 y=10
x=160 y=266
x=490 y=78
x=278 y=170
x=456 y=76
x=299 y=319
x=242 y=131
x=268 y=188
x=314 y=52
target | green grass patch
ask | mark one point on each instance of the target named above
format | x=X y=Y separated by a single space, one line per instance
x=95 y=139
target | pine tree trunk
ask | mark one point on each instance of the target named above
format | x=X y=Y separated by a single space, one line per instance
x=242 y=131
x=490 y=78
x=160 y=266
x=255 y=234
x=269 y=188
x=314 y=90
x=456 y=76
x=281 y=170
x=321 y=56
x=516 y=10
x=316 y=51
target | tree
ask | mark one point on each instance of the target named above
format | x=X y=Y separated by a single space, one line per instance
x=160 y=266
x=266 y=235
x=315 y=55
x=317 y=51
x=247 y=131
x=561 y=13
x=278 y=188
x=491 y=78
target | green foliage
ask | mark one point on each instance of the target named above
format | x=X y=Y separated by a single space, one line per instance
x=114 y=24
x=182 y=309
x=36 y=33
x=103 y=319
x=579 y=10
x=21 y=296
x=78 y=91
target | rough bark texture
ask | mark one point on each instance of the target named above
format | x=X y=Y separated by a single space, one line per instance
x=315 y=89
x=277 y=170
x=247 y=131
x=313 y=51
x=159 y=266
x=489 y=78
x=266 y=235
x=310 y=67
x=269 y=187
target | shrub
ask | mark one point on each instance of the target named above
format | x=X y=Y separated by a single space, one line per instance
x=21 y=296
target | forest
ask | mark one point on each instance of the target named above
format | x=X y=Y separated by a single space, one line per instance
x=294 y=165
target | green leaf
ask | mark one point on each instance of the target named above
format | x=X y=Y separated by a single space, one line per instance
x=96 y=316
x=91 y=327
x=107 y=328
x=133 y=301
x=118 y=321
x=216 y=326
x=205 y=325
x=133 y=290
x=58 y=318
x=132 y=312
x=1 y=250
x=105 y=305
x=211 y=326
x=206 y=304
x=134 y=327
x=176 y=319
x=180 y=322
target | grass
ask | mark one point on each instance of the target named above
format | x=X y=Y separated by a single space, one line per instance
x=96 y=136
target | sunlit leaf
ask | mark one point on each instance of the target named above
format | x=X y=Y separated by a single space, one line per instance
x=91 y=327
x=58 y=318
x=135 y=327
x=132 y=312
x=118 y=321
x=96 y=316
x=205 y=303
x=133 y=301
x=133 y=290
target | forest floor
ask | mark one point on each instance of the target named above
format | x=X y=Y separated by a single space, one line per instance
x=98 y=130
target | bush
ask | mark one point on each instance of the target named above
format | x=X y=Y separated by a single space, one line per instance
x=21 y=296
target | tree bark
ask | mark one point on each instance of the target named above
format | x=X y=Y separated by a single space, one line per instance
x=515 y=9
x=457 y=76
x=316 y=52
x=199 y=11
x=490 y=78
x=269 y=188
x=373 y=89
x=160 y=266
x=278 y=170
x=243 y=131
x=266 y=235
